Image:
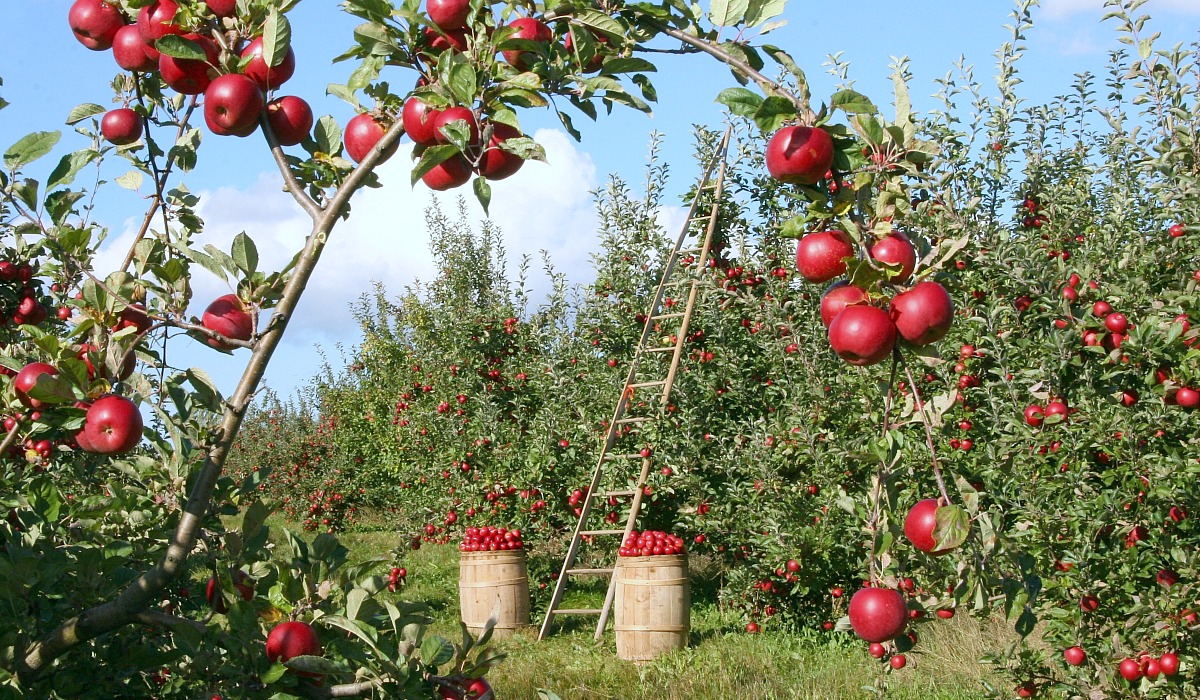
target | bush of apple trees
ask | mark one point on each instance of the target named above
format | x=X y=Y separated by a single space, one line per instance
x=118 y=508
x=1038 y=462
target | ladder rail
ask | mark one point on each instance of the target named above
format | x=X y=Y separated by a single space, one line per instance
x=655 y=314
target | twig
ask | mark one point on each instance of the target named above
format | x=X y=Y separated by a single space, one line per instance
x=937 y=471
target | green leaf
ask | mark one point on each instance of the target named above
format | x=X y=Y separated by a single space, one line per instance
x=29 y=148
x=221 y=257
x=26 y=190
x=177 y=47
x=60 y=204
x=52 y=389
x=431 y=157
x=760 y=11
x=274 y=673
x=436 y=651
x=277 y=37
x=1026 y=622
x=206 y=390
x=131 y=180
x=952 y=527
x=318 y=665
x=483 y=192
x=328 y=135
x=461 y=79
x=83 y=111
x=773 y=113
x=852 y=102
x=629 y=65
x=70 y=165
x=244 y=254
x=727 y=13
x=740 y=101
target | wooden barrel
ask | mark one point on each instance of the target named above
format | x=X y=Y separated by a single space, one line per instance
x=653 y=606
x=485 y=578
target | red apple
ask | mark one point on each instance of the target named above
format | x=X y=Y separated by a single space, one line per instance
x=799 y=154
x=451 y=114
x=862 y=335
x=1057 y=408
x=1177 y=230
x=919 y=526
x=290 y=118
x=923 y=314
x=820 y=256
x=1130 y=670
x=418 y=119
x=596 y=62
x=362 y=133
x=291 y=639
x=267 y=77
x=222 y=8
x=1075 y=655
x=440 y=41
x=133 y=316
x=896 y=249
x=450 y=173
x=232 y=105
x=157 y=20
x=1187 y=397
x=878 y=614
x=228 y=316
x=877 y=650
x=212 y=592
x=1034 y=416
x=898 y=661
x=448 y=14
x=27 y=378
x=95 y=23
x=113 y=425
x=497 y=163
x=477 y=689
x=131 y=51
x=1116 y=322
x=528 y=29
x=121 y=127
x=1169 y=664
x=838 y=296
x=189 y=76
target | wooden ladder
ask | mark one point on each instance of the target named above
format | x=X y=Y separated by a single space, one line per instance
x=705 y=208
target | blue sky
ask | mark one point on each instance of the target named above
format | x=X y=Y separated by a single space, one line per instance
x=46 y=72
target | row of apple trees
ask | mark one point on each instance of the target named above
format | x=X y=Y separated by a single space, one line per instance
x=1059 y=408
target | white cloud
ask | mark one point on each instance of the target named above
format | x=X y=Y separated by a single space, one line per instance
x=545 y=206
x=1061 y=9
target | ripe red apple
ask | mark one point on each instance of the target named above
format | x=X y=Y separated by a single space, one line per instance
x=222 y=8
x=1130 y=670
x=1034 y=416
x=362 y=133
x=752 y=628
x=497 y=163
x=1057 y=408
x=1074 y=655
x=131 y=51
x=133 y=316
x=113 y=425
x=923 y=314
x=438 y=42
x=820 y=256
x=121 y=127
x=267 y=77
x=418 y=119
x=838 y=296
x=1116 y=322
x=291 y=639
x=1177 y=230
x=157 y=20
x=212 y=592
x=862 y=335
x=290 y=118
x=896 y=249
x=799 y=154
x=898 y=661
x=878 y=614
x=877 y=650
x=448 y=14
x=1187 y=397
x=597 y=61
x=528 y=29
x=919 y=526
x=451 y=114
x=232 y=105
x=453 y=172
x=1169 y=664
x=95 y=23
x=27 y=378
x=1101 y=309
x=189 y=76
x=228 y=316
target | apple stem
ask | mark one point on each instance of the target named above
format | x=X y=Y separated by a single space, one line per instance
x=920 y=407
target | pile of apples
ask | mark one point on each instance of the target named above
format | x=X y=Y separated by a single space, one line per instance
x=491 y=539
x=650 y=543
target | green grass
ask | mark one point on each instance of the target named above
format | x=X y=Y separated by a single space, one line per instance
x=721 y=663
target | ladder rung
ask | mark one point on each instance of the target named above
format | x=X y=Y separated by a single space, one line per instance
x=621 y=493
x=635 y=455
x=638 y=419
x=697 y=249
x=603 y=532
x=669 y=348
x=576 y=611
x=663 y=317
x=640 y=385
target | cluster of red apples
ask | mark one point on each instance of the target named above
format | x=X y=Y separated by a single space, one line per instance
x=491 y=539
x=236 y=79
x=112 y=424
x=650 y=543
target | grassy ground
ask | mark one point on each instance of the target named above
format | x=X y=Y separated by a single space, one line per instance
x=722 y=662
